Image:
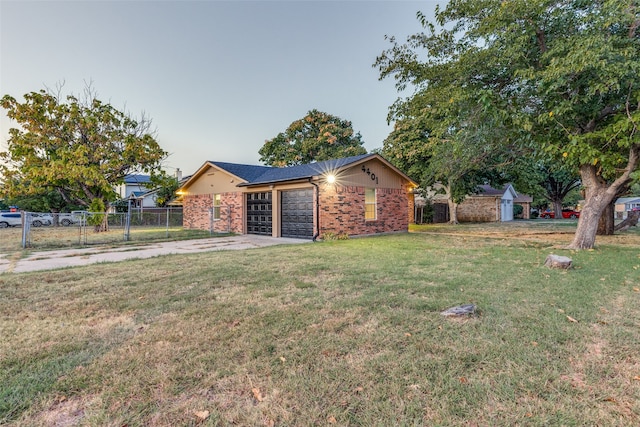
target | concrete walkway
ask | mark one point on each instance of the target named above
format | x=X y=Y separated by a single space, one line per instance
x=48 y=260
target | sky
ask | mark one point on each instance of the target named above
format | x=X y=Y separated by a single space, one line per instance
x=218 y=78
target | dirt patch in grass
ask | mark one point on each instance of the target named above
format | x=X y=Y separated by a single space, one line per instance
x=63 y=412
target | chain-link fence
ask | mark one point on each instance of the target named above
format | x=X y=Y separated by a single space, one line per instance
x=41 y=230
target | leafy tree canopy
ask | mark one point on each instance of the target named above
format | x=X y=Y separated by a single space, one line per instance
x=78 y=147
x=556 y=76
x=549 y=181
x=166 y=189
x=317 y=136
x=50 y=201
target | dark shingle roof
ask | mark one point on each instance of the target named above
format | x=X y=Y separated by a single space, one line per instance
x=246 y=172
x=301 y=171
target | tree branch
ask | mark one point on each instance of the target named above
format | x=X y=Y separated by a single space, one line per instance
x=591 y=125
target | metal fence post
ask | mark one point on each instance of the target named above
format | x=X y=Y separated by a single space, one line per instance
x=127 y=222
x=211 y=221
x=25 y=228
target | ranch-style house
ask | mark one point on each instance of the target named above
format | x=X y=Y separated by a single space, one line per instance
x=359 y=195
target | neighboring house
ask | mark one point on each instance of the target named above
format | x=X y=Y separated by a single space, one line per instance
x=626 y=204
x=489 y=205
x=369 y=196
x=137 y=188
x=133 y=183
x=148 y=199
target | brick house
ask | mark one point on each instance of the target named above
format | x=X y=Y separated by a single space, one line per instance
x=488 y=205
x=357 y=195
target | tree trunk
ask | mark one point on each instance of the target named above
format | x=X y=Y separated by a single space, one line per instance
x=631 y=221
x=453 y=211
x=607 y=221
x=453 y=206
x=103 y=225
x=598 y=195
x=557 y=208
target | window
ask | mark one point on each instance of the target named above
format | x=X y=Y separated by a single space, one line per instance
x=216 y=206
x=370 y=206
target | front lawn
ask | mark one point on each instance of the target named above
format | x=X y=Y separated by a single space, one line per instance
x=334 y=333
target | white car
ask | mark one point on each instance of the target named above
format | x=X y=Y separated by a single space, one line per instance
x=14 y=219
x=67 y=219
x=10 y=219
x=40 y=219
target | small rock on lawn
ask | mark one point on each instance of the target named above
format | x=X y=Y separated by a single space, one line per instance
x=558 y=261
x=461 y=310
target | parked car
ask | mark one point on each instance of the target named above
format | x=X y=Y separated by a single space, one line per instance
x=566 y=213
x=10 y=219
x=40 y=219
x=570 y=213
x=14 y=219
x=67 y=219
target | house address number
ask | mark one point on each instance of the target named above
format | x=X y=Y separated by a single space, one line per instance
x=371 y=174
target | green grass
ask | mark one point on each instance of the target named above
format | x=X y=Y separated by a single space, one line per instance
x=333 y=333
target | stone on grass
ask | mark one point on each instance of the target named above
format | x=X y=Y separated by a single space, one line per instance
x=461 y=310
x=558 y=261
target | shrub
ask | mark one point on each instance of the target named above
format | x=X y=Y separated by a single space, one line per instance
x=97 y=216
x=329 y=235
x=517 y=211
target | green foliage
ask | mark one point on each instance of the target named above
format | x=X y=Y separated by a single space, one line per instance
x=317 y=136
x=550 y=77
x=425 y=213
x=50 y=201
x=97 y=210
x=548 y=181
x=167 y=187
x=79 y=148
x=517 y=210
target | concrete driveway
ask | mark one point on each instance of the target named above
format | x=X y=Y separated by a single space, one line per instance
x=48 y=260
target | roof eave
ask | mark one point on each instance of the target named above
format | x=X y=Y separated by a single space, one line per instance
x=201 y=170
x=278 y=181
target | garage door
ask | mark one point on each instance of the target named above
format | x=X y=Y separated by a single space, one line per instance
x=259 y=217
x=297 y=213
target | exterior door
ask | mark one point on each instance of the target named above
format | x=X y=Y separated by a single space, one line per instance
x=297 y=213
x=259 y=213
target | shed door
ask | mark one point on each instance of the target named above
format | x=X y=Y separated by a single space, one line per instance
x=259 y=217
x=297 y=213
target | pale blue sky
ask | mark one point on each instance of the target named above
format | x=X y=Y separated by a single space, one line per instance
x=218 y=78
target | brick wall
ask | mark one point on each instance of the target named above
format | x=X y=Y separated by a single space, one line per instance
x=342 y=211
x=478 y=209
x=232 y=212
x=197 y=212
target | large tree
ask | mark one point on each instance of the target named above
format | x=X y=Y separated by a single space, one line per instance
x=545 y=179
x=453 y=135
x=317 y=136
x=563 y=71
x=446 y=162
x=81 y=148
